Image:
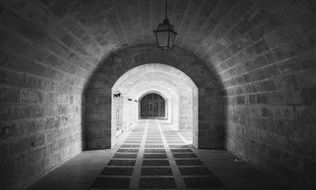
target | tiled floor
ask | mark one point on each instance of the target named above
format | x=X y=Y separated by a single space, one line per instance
x=153 y=156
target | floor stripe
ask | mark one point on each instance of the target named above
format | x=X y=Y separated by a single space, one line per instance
x=137 y=170
x=175 y=170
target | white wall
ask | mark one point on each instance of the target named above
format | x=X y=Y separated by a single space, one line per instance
x=176 y=87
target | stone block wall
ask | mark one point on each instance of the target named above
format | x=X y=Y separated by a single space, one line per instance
x=97 y=115
x=40 y=125
x=41 y=81
x=211 y=115
x=266 y=60
x=186 y=111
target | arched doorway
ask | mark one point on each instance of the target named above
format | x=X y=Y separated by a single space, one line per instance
x=172 y=98
x=152 y=106
x=190 y=108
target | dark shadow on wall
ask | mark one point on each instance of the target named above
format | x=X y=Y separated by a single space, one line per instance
x=88 y=133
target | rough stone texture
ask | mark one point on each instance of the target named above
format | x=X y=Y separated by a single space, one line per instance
x=262 y=52
x=40 y=101
x=270 y=82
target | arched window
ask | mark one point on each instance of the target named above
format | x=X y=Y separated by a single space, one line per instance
x=152 y=106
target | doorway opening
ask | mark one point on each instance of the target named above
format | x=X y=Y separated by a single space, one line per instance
x=155 y=91
x=195 y=100
x=152 y=106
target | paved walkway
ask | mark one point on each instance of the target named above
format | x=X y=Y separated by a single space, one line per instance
x=153 y=156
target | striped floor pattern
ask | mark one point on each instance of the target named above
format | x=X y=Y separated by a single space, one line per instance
x=154 y=156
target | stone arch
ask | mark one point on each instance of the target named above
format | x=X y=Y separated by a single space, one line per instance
x=210 y=104
x=166 y=79
x=157 y=68
x=153 y=91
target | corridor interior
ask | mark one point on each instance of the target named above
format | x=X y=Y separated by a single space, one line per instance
x=155 y=156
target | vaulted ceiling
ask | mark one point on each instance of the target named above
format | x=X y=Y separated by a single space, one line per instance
x=66 y=40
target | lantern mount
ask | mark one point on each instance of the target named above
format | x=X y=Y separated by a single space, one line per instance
x=165 y=34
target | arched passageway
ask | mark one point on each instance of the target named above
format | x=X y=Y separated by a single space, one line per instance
x=176 y=89
x=252 y=61
x=179 y=92
x=99 y=123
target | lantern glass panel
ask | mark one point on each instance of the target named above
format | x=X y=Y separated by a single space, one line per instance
x=165 y=35
x=162 y=38
x=172 y=39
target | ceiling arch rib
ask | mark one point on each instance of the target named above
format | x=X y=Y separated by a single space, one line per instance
x=152 y=72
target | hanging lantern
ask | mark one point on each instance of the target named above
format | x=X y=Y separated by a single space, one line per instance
x=165 y=34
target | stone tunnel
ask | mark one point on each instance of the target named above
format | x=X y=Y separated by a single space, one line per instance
x=241 y=80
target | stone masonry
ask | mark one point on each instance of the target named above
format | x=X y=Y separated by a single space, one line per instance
x=252 y=60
